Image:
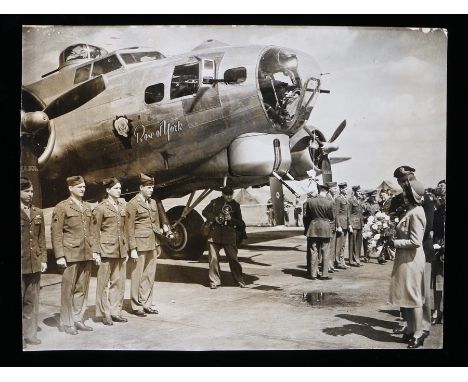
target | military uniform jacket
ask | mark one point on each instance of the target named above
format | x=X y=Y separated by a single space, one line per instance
x=109 y=230
x=71 y=231
x=144 y=222
x=342 y=211
x=220 y=233
x=319 y=212
x=33 y=244
x=355 y=213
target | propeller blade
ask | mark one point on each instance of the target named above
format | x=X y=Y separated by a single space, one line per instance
x=326 y=169
x=277 y=198
x=335 y=160
x=338 y=131
x=75 y=98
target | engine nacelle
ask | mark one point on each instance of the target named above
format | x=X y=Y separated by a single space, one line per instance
x=253 y=154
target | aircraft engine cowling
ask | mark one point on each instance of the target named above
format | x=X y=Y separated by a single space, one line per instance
x=257 y=154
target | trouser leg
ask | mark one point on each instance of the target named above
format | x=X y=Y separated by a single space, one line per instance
x=358 y=244
x=324 y=248
x=30 y=285
x=148 y=278
x=427 y=317
x=234 y=264
x=351 y=240
x=309 y=256
x=332 y=251
x=102 y=288
x=80 y=292
x=68 y=287
x=314 y=256
x=117 y=286
x=214 y=273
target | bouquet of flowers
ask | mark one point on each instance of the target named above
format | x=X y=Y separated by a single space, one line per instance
x=378 y=230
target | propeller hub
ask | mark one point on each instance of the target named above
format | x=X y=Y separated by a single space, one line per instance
x=34 y=121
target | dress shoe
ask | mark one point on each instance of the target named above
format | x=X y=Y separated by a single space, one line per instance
x=406 y=337
x=119 y=319
x=436 y=320
x=150 y=311
x=354 y=265
x=241 y=284
x=311 y=277
x=32 y=341
x=107 y=321
x=139 y=313
x=81 y=326
x=213 y=286
x=416 y=342
x=325 y=278
x=425 y=333
x=70 y=330
x=331 y=271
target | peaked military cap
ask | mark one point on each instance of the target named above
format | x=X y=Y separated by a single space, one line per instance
x=356 y=188
x=110 y=182
x=25 y=183
x=371 y=192
x=403 y=173
x=322 y=187
x=227 y=190
x=442 y=182
x=331 y=184
x=75 y=180
x=342 y=185
x=146 y=180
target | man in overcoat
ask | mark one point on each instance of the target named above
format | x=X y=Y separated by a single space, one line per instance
x=223 y=215
x=318 y=215
x=355 y=231
x=71 y=242
x=342 y=225
x=111 y=253
x=146 y=222
x=33 y=260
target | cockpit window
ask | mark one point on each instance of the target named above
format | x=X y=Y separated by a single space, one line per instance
x=82 y=74
x=81 y=51
x=185 y=80
x=134 y=58
x=106 y=65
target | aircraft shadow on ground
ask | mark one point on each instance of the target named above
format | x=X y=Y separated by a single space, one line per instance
x=258 y=237
x=364 y=326
x=194 y=275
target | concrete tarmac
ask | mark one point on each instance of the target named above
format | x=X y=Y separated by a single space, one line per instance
x=279 y=310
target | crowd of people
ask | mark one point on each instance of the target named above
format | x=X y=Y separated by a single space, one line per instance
x=406 y=228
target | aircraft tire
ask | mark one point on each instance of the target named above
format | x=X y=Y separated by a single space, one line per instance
x=189 y=243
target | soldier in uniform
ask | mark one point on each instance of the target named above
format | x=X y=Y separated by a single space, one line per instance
x=318 y=215
x=355 y=227
x=110 y=250
x=369 y=208
x=332 y=194
x=33 y=260
x=146 y=219
x=71 y=242
x=342 y=225
x=223 y=215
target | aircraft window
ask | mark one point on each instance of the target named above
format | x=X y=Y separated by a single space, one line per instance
x=134 y=58
x=82 y=74
x=76 y=52
x=106 y=65
x=185 y=80
x=235 y=75
x=154 y=93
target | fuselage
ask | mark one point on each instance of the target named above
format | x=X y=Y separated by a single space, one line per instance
x=159 y=116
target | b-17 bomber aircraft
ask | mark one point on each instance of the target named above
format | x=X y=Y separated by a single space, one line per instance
x=217 y=115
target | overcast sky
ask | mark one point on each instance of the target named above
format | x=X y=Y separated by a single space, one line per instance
x=389 y=84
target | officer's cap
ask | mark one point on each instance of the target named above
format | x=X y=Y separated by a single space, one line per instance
x=146 y=180
x=441 y=182
x=25 y=183
x=404 y=172
x=371 y=192
x=356 y=188
x=322 y=187
x=342 y=185
x=74 y=180
x=331 y=184
x=110 y=182
x=227 y=190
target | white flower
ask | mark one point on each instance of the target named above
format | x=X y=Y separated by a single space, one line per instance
x=370 y=219
x=397 y=220
x=385 y=225
x=374 y=226
x=387 y=217
x=377 y=236
x=379 y=223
